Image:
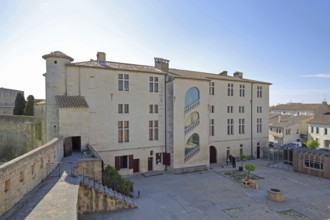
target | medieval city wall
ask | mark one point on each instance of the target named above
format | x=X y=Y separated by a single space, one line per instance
x=18 y=135
x=20 y=175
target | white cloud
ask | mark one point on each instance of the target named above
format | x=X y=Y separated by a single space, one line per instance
x=323 y=76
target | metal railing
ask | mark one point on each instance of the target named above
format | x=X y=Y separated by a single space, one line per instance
x=192 y=106
x=94 y=179
x=191 y=153
x=191 y=126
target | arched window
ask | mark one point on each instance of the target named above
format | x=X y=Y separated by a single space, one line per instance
x=191 y=119
x=192 y=95
x=192 y=142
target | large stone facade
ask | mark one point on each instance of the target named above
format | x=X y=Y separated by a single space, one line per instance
x=141 y=118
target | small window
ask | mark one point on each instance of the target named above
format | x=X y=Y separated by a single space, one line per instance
x=21 y=176
x=7 y=185
x=55 y=61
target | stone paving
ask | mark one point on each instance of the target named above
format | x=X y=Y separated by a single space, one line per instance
x=208 y=195
x=55 y=198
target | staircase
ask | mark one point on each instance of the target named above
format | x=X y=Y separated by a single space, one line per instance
x=93 y=180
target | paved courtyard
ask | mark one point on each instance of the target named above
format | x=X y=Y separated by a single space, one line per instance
x=209 y=195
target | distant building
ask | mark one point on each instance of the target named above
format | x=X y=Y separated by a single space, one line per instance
x=319 y=129
x=7 y=100
x=141 y=118
x=285 y=129
x=301 y=109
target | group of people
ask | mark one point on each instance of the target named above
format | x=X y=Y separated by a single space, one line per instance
x=232 y=160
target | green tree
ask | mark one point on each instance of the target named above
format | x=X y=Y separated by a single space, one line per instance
x=28 y=110
x=312 y=143
x=112 y=179
x=19 y=104
x=250 y=168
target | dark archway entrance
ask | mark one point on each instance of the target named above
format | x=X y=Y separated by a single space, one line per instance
x=150 y=162
x=258 y=151
x=71 y=144
x=213 y=154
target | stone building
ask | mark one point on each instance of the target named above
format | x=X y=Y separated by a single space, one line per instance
x=7 y=100
x=141 y=118
x=319 y=129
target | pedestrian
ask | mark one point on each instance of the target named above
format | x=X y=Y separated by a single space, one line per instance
x=234 y=162
x=227 y=161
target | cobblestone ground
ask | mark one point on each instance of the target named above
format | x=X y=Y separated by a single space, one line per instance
x=209 y=195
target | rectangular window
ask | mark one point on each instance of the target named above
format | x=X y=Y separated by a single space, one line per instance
x=325 y=131
x=212 y=109
x=312 y=129
x=211 y=88
x=211 y=127
x=153 y=84
x=259 y=109
x=317 y=130
x=317 y=165
x=241 y=126
x=259 y=125
x=230 y=89
x=123 y=108
x=259 y=91
x=123 y=162
x=230 y=126
x=287 y=131
x=230 y=109
x=242 y=90
x=123 y=82
x=241 y=109
x=153 y=108
x=153 y=130
x=123 y=131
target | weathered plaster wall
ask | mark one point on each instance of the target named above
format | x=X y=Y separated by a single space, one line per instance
x=21 y=175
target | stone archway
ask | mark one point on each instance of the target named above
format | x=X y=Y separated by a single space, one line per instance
x=213 y=154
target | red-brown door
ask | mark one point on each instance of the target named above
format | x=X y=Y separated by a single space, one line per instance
x=150 y=162
x=136 y=165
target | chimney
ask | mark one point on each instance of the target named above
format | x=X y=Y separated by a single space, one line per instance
x=238 y=75
x=161 y=64
x=223 y=73
x=100 y=56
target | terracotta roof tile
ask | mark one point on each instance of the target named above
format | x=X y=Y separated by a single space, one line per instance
x=321 y=119
x=58 y=54
x=71 y=102
x=301 y=106
x=208 y=76
x=117 y=66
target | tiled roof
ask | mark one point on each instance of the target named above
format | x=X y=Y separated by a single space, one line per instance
x=117 y=66
x=321 y=119
x=208 y=76
x=277 y=120
x=71 y=102
x=57 y=54
x=302 y=106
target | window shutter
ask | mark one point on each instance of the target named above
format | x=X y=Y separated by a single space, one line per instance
x=166 y=159
x=117 y=163
x=131 y=162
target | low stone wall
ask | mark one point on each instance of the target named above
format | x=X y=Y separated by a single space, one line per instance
x=21 y=175
x=91 y=200
x=93 y=168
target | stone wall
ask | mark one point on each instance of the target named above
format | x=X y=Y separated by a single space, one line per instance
x=18 y=135
x=93 y=168
x=21 y=175
x=91 y=200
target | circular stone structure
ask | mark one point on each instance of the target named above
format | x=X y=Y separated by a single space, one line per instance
x=275 y=195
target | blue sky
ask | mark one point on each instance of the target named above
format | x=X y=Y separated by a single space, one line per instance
x=284 y=42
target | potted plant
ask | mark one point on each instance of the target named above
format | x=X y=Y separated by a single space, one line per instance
x=243 y=158
x=250 y=168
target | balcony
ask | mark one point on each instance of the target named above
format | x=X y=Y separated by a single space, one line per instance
x=191 y=106
x=191 y=127
x=191 y=153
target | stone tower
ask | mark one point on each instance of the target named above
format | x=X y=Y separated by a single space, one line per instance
x=55 y=77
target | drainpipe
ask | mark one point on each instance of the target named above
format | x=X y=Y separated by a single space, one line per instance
x=165 y=112
x=251 y=105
